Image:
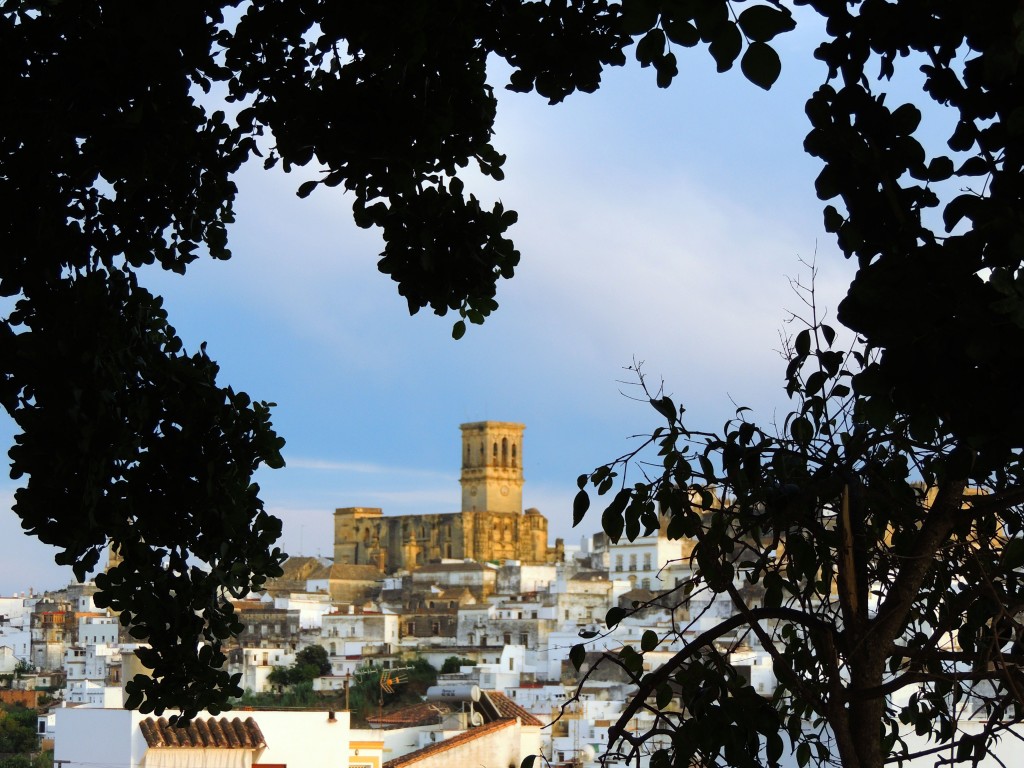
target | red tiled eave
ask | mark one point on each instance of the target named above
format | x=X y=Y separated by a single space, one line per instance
x=449 y=744
x=203 y=733
x=508 y=708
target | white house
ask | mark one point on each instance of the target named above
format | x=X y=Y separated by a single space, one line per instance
x=312 y=607
x=359 y=634
x=97 y=630
x=86 y=738
x=257 y=664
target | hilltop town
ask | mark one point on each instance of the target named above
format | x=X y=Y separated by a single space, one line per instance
x=479 y=595
x=426 y=641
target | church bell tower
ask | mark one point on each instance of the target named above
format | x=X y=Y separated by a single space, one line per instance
x=492 y=467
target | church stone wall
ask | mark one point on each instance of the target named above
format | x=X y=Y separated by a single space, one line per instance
x=405 y=542
x=491 y=526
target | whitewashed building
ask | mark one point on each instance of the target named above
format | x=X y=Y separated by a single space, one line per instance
x=86 y=738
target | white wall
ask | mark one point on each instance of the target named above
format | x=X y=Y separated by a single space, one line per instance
x=97 y=631
x=303 y=739
x=19 y=640
x=86 y=738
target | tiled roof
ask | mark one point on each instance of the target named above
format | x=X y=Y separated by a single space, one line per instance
x=350 y=572
x=413 y=715
x=207 y=732
x=251 y=605
x=508 y=709
x=323 y=572
x=299 y=567
x=448 y=744
x=451 y=567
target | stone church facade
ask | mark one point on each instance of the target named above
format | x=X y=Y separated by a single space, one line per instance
x=492 y=525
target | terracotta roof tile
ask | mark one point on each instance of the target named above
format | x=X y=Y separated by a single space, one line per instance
x=210 y=733
x=350 y=572
x=413 y=715
x=508 y=708
x=451 y=567
x=448 y=744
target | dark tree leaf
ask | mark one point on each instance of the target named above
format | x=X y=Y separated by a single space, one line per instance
x=761 y=23
x=580 y=505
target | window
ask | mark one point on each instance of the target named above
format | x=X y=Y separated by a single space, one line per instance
x=647 y=561
x=524 y=638
x=646 y=584
x=618 y=563
x=632 y=562
x=508 y=638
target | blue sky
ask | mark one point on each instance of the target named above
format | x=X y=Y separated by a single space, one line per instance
x=654 y=225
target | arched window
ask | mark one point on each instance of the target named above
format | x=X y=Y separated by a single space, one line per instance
x=513 y=456
x=504 y=451
x=494 y=459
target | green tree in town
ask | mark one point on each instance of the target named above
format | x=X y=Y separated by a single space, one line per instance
x=408 y=684
x=311 y=662
x=453 y=664
x=112 y=160
x=18 y=730
x=418 y=676
x=315 y=658
x=40 y=760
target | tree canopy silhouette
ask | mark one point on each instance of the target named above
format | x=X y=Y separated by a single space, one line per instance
x=111 y=159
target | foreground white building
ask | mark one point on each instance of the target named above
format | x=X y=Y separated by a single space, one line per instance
x=87 y=738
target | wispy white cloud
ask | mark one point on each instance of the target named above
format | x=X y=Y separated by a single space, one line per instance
x=364 y=468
